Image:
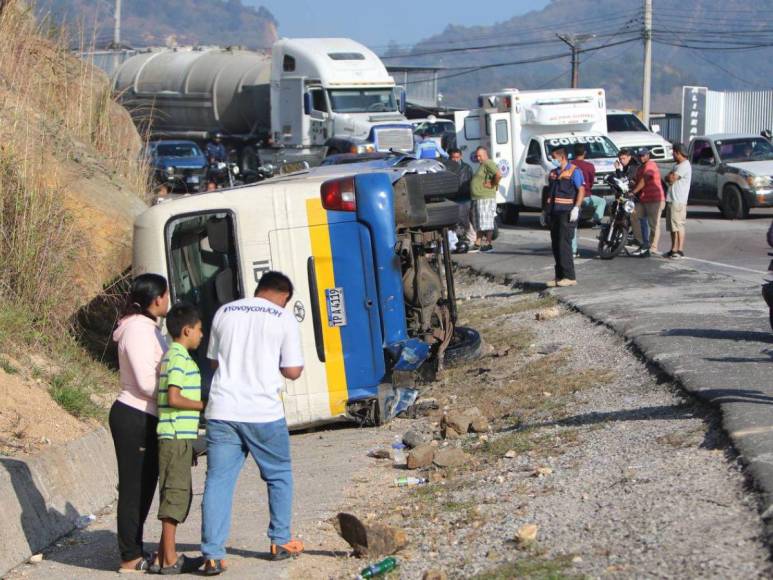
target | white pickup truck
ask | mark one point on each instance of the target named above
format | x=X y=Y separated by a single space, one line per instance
x=521 y=128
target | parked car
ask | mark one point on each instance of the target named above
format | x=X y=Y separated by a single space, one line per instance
x=626 y=130
x=439 y=130
x=181 y=165
x=733 y=172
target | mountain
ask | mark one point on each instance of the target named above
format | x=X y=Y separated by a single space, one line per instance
x=735 y=41
x=165 y=22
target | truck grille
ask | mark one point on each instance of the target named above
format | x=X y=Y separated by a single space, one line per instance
x=398 y=139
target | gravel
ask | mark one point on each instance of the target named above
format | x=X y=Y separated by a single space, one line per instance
x=633 y=477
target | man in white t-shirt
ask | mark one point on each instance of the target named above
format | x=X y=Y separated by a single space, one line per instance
x=254 y=345
x=676 y=201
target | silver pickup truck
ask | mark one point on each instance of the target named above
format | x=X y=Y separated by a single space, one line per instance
x=733 y=172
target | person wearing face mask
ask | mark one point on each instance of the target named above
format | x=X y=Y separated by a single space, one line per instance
x=464 y=173
x=566 y=190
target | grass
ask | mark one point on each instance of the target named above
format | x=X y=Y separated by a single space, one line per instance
x=533 y=568
x=7 y=366
x=72 y=398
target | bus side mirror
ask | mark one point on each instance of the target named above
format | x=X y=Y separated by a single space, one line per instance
x=307 y=103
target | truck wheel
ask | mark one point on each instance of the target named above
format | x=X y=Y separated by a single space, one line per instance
x=733 y=206
x=510 y=213
x=465 y=346
x=441 y=214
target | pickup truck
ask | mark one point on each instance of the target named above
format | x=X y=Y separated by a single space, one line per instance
x=733 y=172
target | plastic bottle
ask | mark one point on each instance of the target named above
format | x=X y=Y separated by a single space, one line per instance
x=398 y=449
x=406 y=481
x=379 y=568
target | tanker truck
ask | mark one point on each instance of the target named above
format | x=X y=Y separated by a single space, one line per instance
x=308 y=98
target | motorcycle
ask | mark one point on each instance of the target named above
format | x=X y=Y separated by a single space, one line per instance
x=614 y=235
x=223 y=174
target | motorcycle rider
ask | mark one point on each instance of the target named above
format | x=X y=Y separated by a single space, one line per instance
x=562 y=210
x=216 y=153
x=628 y=166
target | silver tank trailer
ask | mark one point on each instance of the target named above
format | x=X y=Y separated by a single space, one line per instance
x=190 y=93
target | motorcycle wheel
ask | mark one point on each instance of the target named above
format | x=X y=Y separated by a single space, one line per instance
x=609 y=248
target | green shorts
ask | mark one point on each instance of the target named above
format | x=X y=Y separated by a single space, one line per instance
x=175 y=457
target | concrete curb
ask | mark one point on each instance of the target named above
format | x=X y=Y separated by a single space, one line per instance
x=41 y=497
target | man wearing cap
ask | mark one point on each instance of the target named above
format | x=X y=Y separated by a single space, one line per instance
x=650 y=202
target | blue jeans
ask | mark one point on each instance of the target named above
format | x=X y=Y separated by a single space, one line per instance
x=228 y=443
x=599 y=205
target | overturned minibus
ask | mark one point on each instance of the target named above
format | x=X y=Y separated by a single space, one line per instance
x=374 y=292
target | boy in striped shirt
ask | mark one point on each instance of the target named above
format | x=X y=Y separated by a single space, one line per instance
x=179 y=407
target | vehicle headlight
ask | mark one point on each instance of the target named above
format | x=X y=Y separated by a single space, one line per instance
x=366 y=148
x=629 y=206
x=170 y=171
x=235 y=169
x=759 y=181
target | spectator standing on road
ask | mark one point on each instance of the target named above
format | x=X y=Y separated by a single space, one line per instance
x=676 y=203
x=598 y=203
x=628 y=166
x=483 y=191
x=254 y=343
x=134 y=415
x=427 y=148
x=651 y=199
x=562 y=210
x=463 y=172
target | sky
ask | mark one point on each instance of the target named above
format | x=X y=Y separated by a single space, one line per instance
x=376 y=23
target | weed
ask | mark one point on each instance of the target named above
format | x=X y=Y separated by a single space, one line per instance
x=7 y=366
x=71 y=397
x=533 y=568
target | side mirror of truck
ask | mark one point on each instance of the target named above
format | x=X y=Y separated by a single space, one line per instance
x=401 y=104
x=307 y=103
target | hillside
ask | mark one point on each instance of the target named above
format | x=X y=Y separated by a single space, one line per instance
x=152 y=23
x=724 y=30
x=71 y=184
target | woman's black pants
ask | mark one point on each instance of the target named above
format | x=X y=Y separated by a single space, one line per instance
x=136 y=449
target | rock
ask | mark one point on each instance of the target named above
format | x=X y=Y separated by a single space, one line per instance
x=473 y=412
x=434 y=575
x=435 y=477
x=542 y=472
x=577 y=560
x=413 y=439
x=421 y=456
x=380 y=453
x=36 y=559
x=479 y=425
x=451 y=433
x=450 y=457
x=526 y=534
x=548 y=313
x=511 y=454
x=458 y=422
x=371 y=540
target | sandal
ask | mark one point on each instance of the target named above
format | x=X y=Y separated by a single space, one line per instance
x=291 y=549
x=214 y=567
x=141 y=567
x=183 y=565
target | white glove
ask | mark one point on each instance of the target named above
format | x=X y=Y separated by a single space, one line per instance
x=575 y=214
x=543 y=219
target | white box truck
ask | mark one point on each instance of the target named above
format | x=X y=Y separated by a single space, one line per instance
x=521 y=128
x=308 y=98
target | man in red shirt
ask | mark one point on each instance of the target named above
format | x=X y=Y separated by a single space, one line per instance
x=650 y=202
x=598 y=203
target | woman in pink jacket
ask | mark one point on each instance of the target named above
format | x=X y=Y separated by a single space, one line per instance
x=134 y=416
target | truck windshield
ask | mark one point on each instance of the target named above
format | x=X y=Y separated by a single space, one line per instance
x=740 y=150
x=182 y=150
x=597 y=147
x=627 y=122
x=362 y=100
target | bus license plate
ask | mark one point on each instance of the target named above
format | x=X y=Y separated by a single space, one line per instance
x=336 y=307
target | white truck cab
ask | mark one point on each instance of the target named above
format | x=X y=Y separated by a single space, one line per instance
x=520 y=128
x=335 y=92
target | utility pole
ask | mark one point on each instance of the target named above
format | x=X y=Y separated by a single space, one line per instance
x=117 y=28
x=647 y=81
x=574 y=41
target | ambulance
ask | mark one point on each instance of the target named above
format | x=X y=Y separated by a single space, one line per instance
x=374 y=292
x=521 y=128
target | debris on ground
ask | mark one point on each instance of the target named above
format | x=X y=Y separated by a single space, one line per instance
x=369 y=540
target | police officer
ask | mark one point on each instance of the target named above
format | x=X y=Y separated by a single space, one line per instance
x=562 y=210
x=216 y=150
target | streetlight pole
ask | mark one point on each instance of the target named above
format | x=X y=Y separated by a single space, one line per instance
x=574 y=41
x=117 y=28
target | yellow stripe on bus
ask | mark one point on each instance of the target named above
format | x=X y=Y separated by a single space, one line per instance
x=323 y=262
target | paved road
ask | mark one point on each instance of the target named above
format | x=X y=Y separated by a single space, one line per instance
x=702 y=321
x=325 y=462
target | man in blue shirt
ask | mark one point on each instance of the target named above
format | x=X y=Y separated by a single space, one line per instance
x=427 y=148
x=566 y=191
x=216 y=150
